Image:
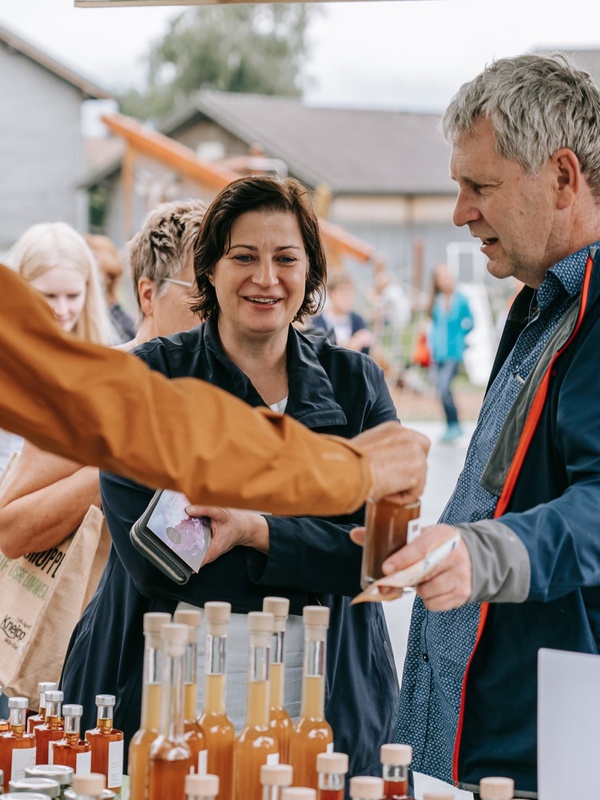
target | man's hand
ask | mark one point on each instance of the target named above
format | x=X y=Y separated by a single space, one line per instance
x=397 y=458
x=232 y=527
x=449 y=584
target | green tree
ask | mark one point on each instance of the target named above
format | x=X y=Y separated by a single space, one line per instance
x=238 y=48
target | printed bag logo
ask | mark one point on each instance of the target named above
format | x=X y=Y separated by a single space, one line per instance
x=14 y=630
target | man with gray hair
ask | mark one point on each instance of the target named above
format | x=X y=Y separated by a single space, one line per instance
x=525 y=138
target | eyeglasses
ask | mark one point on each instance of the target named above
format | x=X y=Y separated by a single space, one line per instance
x=187 y=284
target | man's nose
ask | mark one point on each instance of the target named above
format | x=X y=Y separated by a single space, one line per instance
x=464 y=210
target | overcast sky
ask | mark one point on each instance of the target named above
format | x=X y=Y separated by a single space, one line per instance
x=391 y=53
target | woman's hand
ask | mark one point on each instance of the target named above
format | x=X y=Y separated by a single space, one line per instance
x=232 y=527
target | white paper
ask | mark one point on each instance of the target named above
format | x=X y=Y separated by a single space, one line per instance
x=568 y=724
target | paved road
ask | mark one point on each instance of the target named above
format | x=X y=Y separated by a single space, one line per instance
x=445 y=464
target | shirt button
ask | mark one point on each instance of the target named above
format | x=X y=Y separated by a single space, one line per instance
x=425 y=657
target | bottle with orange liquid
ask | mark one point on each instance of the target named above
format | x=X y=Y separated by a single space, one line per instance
x=193 y=732
x=51 y=730
x=218 y=729
x=72 y=750
x=332 y=769
x=139 y=748
x=170 y=757
x=312 y=733
x=364 y=787
x=280 y=722
x=107 y=744
x=255 y=745
x=201 y=787
x=38 y=719
x=395 y=761
x=17 y=747
x=496 y=788
x=274 y=779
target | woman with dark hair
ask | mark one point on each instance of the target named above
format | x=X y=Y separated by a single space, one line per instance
x=259 y=265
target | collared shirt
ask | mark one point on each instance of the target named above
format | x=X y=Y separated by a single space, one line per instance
x=440 y=644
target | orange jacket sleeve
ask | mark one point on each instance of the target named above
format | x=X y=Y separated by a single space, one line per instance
x=103 y=407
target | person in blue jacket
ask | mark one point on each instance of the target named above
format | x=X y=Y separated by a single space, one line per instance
x=525 y=138
x=259 y=265
x=451 y=321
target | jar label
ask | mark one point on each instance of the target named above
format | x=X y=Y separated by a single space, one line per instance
x=413 y=530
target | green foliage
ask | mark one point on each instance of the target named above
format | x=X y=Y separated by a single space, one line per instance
x=237 y=48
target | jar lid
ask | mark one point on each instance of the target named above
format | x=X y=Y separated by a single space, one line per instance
x=365 y=787
x=396 y=754
x=276 y=775
x=58 y=772
x=44 y=786
x=496 y=788
x=202 y=785
x=332 y=762
x=298 y=793
x=94 y=783
x=438 y=796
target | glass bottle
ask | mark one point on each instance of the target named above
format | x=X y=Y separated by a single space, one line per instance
x=34 y=787
x=139 y=748
x=107 y=744
x=17 y=747
x=255 y=744
x=274 y=778
x=38 y=719
x=88 y=787
x=72 y=750
x=364 y=787
x=312 y=733
x=57 y=772
x=496 y=788
x=395 y=762
x=201 y=787
x=4 y=723
x=194 y=736
x=218 y=729
x=279 y=719
x=332 y=769
x=299 y=793
x=51 y=729
x=170 y=757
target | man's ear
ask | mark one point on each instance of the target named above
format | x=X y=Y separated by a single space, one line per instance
x=146 y=293
x=568 y=177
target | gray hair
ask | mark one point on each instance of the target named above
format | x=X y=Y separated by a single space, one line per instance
x=164 y=243
x=537 y=104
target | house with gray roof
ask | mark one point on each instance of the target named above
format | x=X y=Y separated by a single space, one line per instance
x=42 y=146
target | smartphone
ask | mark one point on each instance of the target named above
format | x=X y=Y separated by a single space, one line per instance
x=169 y=538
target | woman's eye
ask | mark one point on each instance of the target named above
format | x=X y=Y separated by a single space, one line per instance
x=243 y=258
x=287 y=259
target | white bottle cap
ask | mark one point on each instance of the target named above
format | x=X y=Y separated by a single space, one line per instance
x=280 y=608
x=398 y=755
x=216 y=616
x=276 y=775
x=260 y=622
x=174 y=638
x=298 y=793
x=47 y=686
x=18 y=702
x=54 y=696
x=365 y=787
x=316 y=615
x=154 y=620
x=106 y=700
x=336 y=763
x=202 y=785
x=44 y=786
x=91 y=784
x=496 y=788
x=72 y=710
x=192 y=619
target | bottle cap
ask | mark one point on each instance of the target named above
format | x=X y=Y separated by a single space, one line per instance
x=18 y=702
x=365 y=787
x=276 y=775
x=72 y=710
x=438 y=796
x=188 y=616
x=47 y=686
x=280 y=608
x=202 y=785
x=94 y=783
x=316 y=615
x=398 y=755
x=105 y=700
x=332 y=762
x=298 y=793
x=154 y=620
x=24 y=796
x=174 y=638
x=54 y=696
x=58 y=772
x=260 y=622
x=44 y=786
x=216 y=616
x=496 y=788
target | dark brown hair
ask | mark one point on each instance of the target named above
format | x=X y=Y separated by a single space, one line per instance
x=258 y=193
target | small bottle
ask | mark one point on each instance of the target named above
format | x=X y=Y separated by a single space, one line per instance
x=170 y=757
x=364 y=787
x=73 y=751
x=201 y=787
x=218 y=729
x=390 y=524
x=38 y=719
x=496 y=788
x=17 y=747
x=255 y=745
x=194 y=736
x=107 y=744
x=332 y=769
x=279 y=719
x=395 y=761
x=139 y=748
x=274 y=779
x=51 y=729
x=299 y=793
x=88 y=787
x=59 y=773
x=312 y=733
x=44 y=786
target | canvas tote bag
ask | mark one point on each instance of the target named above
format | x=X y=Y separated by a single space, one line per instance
x=42 y=596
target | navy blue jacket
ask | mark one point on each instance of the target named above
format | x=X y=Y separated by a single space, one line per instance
x=311 y=560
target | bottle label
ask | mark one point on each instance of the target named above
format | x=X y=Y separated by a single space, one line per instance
x=273 y=758
x=115 y=764
x=51 y=752
x=413 y=530
x=21 y=760
x=83 y=763
x=203 y=762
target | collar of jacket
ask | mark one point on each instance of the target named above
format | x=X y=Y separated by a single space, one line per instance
x=311 y=398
